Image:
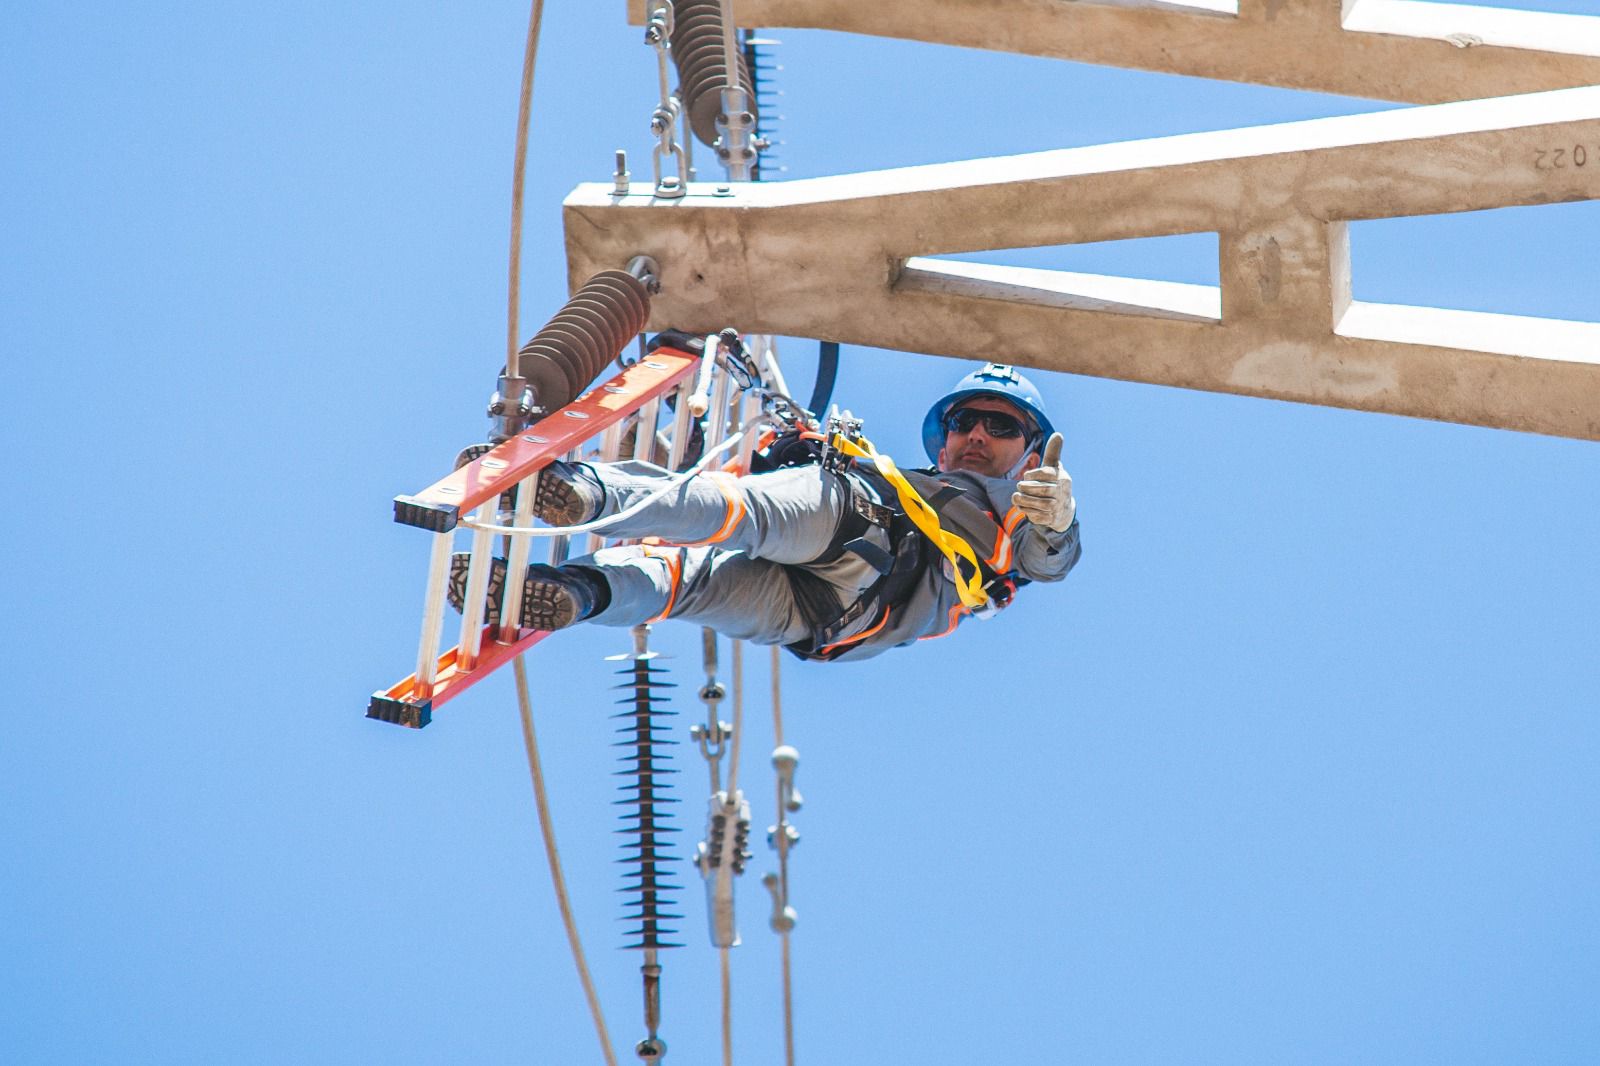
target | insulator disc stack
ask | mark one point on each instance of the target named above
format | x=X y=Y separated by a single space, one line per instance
x=702 y=69
x=590 y=330
x=647 y=823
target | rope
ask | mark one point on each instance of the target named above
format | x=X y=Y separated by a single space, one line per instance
x=783 y=866
x=671 y=482
x=738 y=715
x=733 y=785
x=777 y=699
x=788 y=1006
x=519 y=168
x=531 y=742
x=727 y=1010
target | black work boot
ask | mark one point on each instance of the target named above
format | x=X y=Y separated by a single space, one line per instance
x=552 y=597
x=569 y=494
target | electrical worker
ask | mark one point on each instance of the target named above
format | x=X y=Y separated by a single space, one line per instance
x=828 y=563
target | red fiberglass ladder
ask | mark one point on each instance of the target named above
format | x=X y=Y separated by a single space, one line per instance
x=726 y=397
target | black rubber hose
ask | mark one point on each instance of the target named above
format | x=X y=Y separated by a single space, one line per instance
x=827 y=374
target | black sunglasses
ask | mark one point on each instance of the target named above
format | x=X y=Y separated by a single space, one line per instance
x=996 y=424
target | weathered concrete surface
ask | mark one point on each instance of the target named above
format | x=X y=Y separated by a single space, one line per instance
x=828 y=258
x=1403 y=50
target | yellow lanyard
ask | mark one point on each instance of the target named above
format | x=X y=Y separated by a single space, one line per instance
x=925 y=518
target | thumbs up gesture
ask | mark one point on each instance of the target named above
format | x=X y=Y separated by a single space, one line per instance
x=1044 y=494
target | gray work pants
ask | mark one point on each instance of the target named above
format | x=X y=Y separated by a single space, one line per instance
x=731 y=540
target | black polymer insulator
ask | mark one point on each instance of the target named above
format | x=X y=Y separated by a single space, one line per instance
x=697 y=49
x=571 y=350
x=647 y=825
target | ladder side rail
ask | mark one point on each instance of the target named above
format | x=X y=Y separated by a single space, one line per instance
x=474 y=603
x=644 y=442
x=561 y=546
x=717 y=421
x=610 y=452
x=433 y=614
x=517 y=563
x=681 y=419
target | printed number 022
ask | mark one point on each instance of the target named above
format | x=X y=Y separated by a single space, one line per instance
x=1557 y=158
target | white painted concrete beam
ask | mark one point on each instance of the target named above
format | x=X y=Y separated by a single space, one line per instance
x=845 y=258
x=1402 y=50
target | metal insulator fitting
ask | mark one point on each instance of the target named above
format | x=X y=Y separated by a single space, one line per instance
x=785 y=760
x=647 y=271
x=783 y=918
x=720 y=858
x=511 y=409
x=712 y=739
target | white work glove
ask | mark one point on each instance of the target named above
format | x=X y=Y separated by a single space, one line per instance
x=1044 y=494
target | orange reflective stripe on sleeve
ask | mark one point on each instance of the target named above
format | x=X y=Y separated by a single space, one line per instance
x=674 y=561
x=728 y=484
x=1000 y=559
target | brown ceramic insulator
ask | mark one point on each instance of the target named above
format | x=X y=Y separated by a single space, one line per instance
x=590 y=330
x=697 y=49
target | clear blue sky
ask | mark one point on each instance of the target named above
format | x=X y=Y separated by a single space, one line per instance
x=1299 y=766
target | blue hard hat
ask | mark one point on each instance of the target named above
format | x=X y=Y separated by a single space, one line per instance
x=992 y=379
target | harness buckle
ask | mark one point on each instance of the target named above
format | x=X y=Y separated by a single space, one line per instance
x=842 y=425
x=877 y=514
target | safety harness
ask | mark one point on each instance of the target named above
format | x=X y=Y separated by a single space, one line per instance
x=925 y=514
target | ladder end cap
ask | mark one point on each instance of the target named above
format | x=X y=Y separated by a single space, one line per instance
x=435 y=517
x=385 y=708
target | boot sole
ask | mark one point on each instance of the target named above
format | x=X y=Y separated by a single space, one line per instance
x=546 y=605
x=557 y=503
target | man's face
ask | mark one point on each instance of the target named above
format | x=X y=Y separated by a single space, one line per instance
x=977 y=450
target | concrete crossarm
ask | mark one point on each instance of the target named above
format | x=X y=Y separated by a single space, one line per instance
x=1404 y=50
x=839 y=258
